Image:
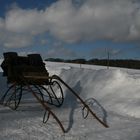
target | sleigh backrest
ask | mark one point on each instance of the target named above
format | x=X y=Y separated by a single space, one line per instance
x=14 y=66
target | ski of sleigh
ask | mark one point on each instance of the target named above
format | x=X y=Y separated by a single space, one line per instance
x=28 y=74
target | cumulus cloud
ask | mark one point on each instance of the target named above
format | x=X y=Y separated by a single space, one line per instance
x=23 y=53
x=25 y=21
x=95 y=19
x=10 y=39
x=73 y=21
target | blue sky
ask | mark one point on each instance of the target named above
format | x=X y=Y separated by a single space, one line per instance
x=71 y=29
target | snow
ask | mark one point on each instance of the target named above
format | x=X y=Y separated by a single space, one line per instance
x=116 y=98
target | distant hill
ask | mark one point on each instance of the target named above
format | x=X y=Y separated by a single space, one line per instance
x=124 y=63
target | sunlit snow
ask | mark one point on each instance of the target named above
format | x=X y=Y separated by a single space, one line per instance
x=116 y=90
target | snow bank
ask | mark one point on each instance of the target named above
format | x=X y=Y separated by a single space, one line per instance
x=118 y=90
x=115 y=89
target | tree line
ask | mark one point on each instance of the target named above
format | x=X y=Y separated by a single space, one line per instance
x=124 y=63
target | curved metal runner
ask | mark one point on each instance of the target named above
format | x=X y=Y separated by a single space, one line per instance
x=49 y=112
x=51 y=98
x=81 y=100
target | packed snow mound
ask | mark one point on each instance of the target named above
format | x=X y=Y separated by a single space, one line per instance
x=115 y=89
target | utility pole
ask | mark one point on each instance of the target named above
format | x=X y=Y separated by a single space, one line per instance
x=108 y=58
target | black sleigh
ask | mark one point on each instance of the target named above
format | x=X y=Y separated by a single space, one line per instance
x=29 y=74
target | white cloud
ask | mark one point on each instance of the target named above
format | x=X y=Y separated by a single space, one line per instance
x=17 y=41
x=1 y=23
x=117 y=20
x=23 y=53
x=96 y=19
x=24 y=21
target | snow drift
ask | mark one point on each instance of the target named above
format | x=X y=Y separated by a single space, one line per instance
x=116 y=90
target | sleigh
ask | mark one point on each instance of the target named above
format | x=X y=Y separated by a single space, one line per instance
x=28 y=74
